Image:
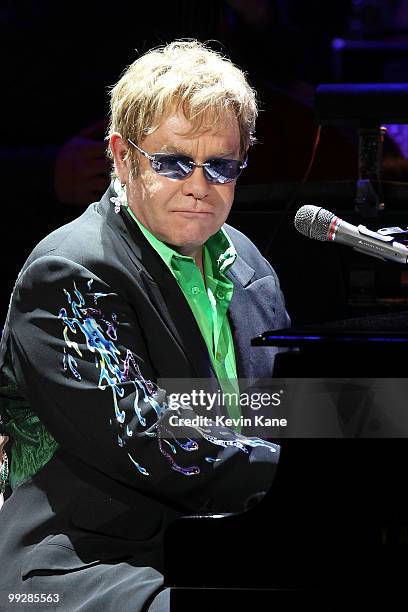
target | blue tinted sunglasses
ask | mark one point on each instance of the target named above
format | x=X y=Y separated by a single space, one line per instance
x=176 y=166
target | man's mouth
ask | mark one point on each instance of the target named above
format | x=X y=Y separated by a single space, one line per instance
x=194 y=212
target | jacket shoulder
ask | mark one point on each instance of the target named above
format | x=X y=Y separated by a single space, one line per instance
x=77 y=239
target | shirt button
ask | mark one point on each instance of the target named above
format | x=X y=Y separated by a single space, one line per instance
x=219 y=356
x=220 y=295
x=195 y=290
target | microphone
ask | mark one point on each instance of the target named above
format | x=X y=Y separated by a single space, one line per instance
x=316 y=222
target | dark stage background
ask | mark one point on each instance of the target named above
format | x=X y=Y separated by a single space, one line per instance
x=59 y=60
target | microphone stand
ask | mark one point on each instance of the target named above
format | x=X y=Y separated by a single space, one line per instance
x=369 y=197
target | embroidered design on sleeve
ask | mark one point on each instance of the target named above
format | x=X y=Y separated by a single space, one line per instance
x=100 y=334
x=89 y=323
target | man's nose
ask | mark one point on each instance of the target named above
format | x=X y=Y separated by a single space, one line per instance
x=196 y=184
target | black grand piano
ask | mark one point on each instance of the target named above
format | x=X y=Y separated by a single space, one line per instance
x=334 y=524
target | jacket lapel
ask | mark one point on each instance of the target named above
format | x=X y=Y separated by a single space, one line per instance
x=239 y=311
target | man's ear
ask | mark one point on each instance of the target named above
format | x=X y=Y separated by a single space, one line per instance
x=119 y=148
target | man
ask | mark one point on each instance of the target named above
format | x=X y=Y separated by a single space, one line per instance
x=149 y=284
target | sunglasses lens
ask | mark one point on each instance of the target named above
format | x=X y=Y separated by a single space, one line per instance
x=222 y=170
x=172 y=166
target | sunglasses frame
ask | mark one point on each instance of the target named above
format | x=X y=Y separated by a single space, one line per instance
x=154 y=164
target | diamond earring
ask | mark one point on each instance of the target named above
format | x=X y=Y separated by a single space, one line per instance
x=120 y=199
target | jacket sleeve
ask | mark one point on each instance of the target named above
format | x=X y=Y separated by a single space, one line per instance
x=82 y=362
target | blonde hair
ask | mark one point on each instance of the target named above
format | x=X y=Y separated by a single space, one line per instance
x=184 y=75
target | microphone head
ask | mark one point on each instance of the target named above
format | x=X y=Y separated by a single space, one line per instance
x=314 y=222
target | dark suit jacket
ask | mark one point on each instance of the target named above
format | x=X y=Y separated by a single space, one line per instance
x=96 y=318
